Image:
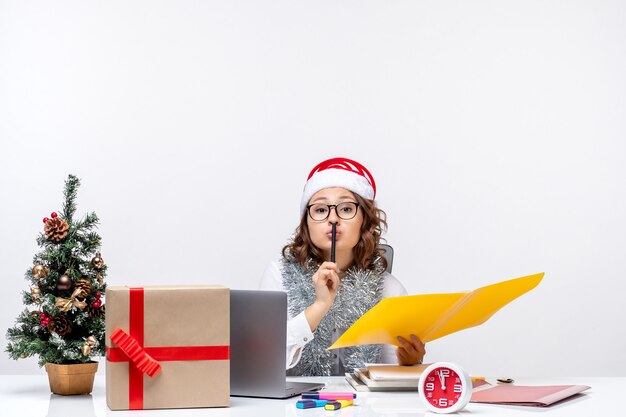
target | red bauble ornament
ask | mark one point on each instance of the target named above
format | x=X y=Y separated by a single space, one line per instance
x=96 y=304
x=97 y=295
x=43 y=315
x=45 y=219
x=53 y=214
x=45 y=322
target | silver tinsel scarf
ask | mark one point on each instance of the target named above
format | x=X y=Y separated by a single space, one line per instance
x=358 y=291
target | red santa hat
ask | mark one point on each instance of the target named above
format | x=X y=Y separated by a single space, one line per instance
x=339 y=172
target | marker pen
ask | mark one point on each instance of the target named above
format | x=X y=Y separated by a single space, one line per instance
x=311 y=403
x=326 y=395
x=333 y=240
x=336 y=405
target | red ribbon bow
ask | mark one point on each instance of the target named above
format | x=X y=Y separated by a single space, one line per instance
x=135 y=352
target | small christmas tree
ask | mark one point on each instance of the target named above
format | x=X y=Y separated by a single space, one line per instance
x=64 y=319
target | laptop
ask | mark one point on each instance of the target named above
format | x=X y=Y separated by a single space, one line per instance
x=258 y=346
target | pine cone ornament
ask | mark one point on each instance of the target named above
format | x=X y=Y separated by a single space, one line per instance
x=84 y=286
x=96 y=312
x=56 y=229
x=60 y=325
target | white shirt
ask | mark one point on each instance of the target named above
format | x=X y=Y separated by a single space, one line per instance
x=298 y=330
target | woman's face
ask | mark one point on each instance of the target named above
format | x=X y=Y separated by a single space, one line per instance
x=348 y=231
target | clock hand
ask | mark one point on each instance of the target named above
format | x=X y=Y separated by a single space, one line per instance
x=442 y=380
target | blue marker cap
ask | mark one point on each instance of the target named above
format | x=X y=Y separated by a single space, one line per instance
x=311 y=403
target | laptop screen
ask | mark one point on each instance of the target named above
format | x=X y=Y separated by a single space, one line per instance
x=258 y=335
x=258 y=340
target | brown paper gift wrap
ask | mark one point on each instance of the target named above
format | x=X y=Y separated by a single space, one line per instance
x=179 y=334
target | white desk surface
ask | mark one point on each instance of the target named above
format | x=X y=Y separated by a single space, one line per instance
x=29 y=395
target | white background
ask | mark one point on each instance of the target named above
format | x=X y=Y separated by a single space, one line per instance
x=494 y=129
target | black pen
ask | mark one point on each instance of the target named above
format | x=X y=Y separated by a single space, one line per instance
x=332 y=242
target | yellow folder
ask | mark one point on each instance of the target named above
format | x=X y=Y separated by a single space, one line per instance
x=431 y=316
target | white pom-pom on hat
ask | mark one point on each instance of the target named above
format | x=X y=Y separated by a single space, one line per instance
x=339 y=172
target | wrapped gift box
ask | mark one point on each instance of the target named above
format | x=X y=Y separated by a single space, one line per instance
x=167 y=347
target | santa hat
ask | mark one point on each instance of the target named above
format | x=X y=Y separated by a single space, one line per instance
x=339 y=172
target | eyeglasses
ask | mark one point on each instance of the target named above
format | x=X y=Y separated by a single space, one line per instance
x=345 y=211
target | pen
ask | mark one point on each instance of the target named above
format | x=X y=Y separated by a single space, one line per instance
x=336 y=405
x=332 y=242
x=478 y=378
x=311 y=403
x=326 y=395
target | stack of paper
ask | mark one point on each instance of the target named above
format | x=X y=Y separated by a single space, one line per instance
x=386 y=378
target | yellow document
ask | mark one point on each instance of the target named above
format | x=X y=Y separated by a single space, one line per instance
x=431 y=316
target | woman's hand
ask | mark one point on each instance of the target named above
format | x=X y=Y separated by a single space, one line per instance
x=325 y=282
x=411 y=352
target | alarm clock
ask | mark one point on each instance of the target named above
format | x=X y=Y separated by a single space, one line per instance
x=445 y=387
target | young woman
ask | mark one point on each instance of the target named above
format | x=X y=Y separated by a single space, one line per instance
x=325 y=298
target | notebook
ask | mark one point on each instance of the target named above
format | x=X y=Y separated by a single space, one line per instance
x=361 y=380
x=258 y=343
x=386 y=377
x=539 y=396
x=397 y=372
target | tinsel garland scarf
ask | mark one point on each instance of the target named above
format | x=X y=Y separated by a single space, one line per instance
x=358 y=291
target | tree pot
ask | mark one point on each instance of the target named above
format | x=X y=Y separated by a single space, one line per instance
x=71 y=379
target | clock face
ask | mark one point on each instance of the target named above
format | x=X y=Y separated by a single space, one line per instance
x=445 y=388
